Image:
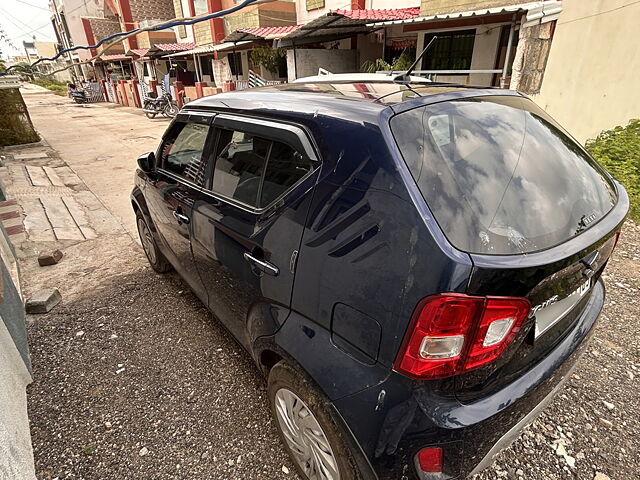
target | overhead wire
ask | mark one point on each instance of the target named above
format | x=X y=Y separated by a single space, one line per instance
x=114 y=39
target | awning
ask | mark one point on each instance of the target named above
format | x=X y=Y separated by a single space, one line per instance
x=137 y=52
x=160 y=49
x=261 y=33
x=536 y=11
x=208 y=49
x=339 y=24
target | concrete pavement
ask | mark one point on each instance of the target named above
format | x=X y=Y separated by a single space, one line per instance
x=100 y=142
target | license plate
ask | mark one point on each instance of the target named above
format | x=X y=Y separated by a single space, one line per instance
x=554 y=310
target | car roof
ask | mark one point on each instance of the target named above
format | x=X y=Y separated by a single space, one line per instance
x=362 y=101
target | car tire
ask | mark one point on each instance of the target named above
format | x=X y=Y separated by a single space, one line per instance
x=292 y=394
x=156 y=259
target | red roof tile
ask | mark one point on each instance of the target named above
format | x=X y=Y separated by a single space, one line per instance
x=265 y=32
x=140 y=52
x=380 y=15
x=175 y=47
x=111 y=58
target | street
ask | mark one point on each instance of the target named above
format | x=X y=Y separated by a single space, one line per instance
x=134 y=379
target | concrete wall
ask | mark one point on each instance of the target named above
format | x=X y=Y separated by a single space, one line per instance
x=16 y=455
x=74 y=10
x=309 y=60
x=591 y=80
x=305 y=15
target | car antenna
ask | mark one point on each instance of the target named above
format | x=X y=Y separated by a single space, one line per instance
x=405 y=78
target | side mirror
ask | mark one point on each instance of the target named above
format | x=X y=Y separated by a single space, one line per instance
x=147 y=162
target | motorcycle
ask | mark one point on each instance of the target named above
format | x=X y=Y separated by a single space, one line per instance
x=79 y=96
x=163 y=105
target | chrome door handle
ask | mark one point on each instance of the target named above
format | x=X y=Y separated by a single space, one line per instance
x=262 y=265
x=181 y=218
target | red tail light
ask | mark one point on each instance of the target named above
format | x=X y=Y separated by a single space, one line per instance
x=453 y=333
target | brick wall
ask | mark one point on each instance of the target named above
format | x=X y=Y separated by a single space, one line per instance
x=151 y=10
x=262 y=16
x=103 y=27
x=202 y=33
x=177 y=8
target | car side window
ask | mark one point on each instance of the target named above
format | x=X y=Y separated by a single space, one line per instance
x=285 y=167
x=239 y=166
x=182 y=151
x=240 y=171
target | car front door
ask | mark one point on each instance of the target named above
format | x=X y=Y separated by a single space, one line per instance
x=247 y=228
x=180 y=173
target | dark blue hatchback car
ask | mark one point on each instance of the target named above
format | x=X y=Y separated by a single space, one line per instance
x=415 y=268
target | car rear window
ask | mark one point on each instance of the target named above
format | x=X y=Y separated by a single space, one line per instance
x=500 y=176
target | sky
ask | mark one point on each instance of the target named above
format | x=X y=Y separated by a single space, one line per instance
x=21 y=20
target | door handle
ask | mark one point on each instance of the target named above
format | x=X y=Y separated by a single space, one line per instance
x=262 y=265
x=180 y=217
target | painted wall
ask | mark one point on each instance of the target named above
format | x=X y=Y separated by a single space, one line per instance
x=382 y=4
x=485 y=48
x=16 y=455
x=74 y=10
x=591 y=80
x=309 y=60
x=305 y=15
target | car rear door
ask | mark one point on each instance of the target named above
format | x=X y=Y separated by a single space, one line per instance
x=247 y=226
x=180 y=173
x=538 y=216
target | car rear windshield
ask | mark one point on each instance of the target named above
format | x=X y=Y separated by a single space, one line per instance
x=500 y=176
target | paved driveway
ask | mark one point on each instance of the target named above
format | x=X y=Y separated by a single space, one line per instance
x=100 y=142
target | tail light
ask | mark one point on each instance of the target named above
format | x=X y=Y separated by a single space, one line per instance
x=429 y=460
x=453 y=333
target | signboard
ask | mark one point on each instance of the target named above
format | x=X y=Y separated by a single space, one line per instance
x=10 y=81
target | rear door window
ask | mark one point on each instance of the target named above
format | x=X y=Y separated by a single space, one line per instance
x=500 y=176
x=254 y=170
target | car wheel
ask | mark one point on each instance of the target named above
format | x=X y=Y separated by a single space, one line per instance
x=313 y=439
x=157 y=260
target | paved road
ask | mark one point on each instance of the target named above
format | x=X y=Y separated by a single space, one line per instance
x=100 y=142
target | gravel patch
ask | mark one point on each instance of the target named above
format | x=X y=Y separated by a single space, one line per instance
x=138 y=381
x=590 y=431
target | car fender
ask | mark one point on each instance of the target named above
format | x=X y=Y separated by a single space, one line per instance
x=139 y=203
x=311 y=347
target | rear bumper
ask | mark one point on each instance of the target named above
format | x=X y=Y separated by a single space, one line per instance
x=394 y=420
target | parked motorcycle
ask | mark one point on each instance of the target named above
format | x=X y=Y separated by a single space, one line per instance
x=163 y=105
x=79 y=96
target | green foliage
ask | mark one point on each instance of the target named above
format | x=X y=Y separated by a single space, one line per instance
x=373 y=66
x=618 y=150
x=15 y=125
x=59 y=88
x=269 y=58
x=3 y=66
x=401 y=63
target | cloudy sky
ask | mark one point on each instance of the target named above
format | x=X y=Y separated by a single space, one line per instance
x=21 y=20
